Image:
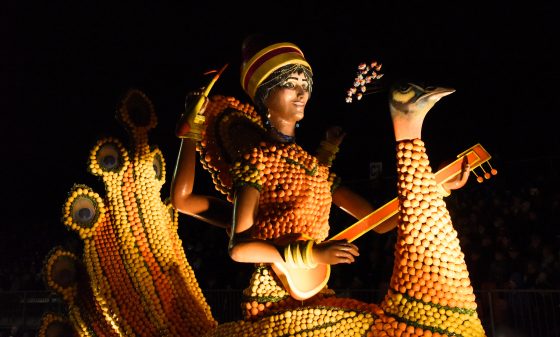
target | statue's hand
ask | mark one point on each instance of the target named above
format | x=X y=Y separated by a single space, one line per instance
x=461 y=179
x=329 y=146
x=191 y=123
x=335 y=252
x=335 y=135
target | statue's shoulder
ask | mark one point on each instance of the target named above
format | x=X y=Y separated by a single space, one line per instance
x=233 y=128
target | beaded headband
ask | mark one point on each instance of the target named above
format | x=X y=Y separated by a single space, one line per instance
x=267 y=60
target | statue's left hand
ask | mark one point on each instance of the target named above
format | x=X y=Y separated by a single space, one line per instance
x=335 y=135
x=461 y=179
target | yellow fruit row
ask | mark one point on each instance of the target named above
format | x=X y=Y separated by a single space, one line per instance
x=303 y=322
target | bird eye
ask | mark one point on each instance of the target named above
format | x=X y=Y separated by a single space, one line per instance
x=403 y=92
x=404 y=88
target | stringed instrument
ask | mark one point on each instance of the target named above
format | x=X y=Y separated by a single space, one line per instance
x=304 y=283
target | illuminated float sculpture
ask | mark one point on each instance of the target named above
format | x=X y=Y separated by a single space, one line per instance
x=134 y=279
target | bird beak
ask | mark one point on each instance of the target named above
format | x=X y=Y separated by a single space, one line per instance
x=438 y=92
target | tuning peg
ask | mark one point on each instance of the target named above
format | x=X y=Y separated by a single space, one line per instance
x=485 y=174
x=492 y=170
x=489 y=174
x=478 y=178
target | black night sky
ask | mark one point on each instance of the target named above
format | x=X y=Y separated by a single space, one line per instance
x=65 y=66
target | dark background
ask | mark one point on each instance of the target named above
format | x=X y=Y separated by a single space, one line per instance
x=65 y=66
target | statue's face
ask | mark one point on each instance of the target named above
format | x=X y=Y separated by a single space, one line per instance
x=286 y=102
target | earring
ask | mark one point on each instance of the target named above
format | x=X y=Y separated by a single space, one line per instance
x=297 y=125
x=268 y=116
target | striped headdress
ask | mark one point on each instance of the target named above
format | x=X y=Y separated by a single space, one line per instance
x=259 y=66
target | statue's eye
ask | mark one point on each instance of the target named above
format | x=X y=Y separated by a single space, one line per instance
x=287 y=85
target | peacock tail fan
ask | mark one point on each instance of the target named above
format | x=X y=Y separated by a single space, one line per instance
x=138 y=280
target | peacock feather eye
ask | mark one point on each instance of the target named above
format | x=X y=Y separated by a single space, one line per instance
x=108 y=156
x=137 y=111
x=55 y=324
x=172 y=212
x=60 y=271
x=83 y=210
x=64 y=271
x=158 y=166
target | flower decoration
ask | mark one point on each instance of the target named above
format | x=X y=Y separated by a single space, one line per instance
x=364 y=82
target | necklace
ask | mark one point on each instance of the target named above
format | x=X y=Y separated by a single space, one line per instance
x=280 y=136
